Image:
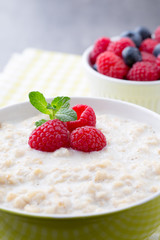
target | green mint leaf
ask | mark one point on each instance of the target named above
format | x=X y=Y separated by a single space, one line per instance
x=58 y=108
x=60 y=102
x=53 y=111
x=40 y=122
x=66 y=115
x=49 y=106
x=39 y=102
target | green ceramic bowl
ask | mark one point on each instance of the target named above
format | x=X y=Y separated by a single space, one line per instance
x=135 y=222
x=144 y=93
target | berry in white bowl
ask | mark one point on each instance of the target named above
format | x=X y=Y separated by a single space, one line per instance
x=126 y=68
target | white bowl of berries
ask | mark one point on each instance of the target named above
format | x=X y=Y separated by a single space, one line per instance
x=126 y=68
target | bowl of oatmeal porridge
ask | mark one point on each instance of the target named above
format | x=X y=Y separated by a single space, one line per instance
x=68 y=194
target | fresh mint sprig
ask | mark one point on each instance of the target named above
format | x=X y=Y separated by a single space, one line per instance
x=57 y=109
x=40 y=122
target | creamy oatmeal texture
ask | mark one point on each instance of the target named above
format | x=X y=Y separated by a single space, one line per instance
x=71 y=182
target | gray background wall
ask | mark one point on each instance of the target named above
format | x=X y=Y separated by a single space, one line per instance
x=69 y=25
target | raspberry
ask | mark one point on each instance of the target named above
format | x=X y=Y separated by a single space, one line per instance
x=143 y=71
x=147 y=57
x=148 y=45
x=118 y=46
x=87 y=139
x=158 y=64
x=111 y=65
x=99 y=47
x=157 y=34
x=49 y=136
x=85 y=117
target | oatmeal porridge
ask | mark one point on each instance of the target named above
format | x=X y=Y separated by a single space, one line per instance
x=72 y=182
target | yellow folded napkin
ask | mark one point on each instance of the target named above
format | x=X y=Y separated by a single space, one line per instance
x=49 y=72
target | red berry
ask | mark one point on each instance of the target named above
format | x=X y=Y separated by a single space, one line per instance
x=87 y=139
x=118 y=46
x=148 y=45
x=158 y=64
x=157 y=34
x=147 y=57
x=99 y=47
x=85 y=117
x=111 y=65
x=49 y=136
x=143 y=71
